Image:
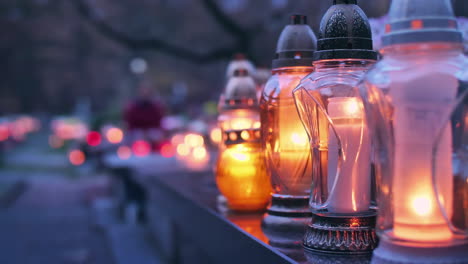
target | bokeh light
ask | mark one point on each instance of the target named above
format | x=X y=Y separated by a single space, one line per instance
x=167 y=150
x=4 y=132
x=114 y=135
x=194 y=140
x=199 y=153
x=183 y=150
x=216 y=135
x=93 y=138
x=124 y=152
x=76 y=157
x=141 y=148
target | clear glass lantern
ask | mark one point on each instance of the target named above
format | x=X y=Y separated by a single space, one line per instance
x=286 y=143
x=331 y=110
x=417 y=106
x=284 y=138
x=241 y=171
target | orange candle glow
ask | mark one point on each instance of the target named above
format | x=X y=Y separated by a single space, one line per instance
x=242 y=177
x=241 y=172
x=286 y=143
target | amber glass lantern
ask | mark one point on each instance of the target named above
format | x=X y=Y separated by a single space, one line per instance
x=284 y=138
x=331 y=109
x=416 y=102
x=240 y=171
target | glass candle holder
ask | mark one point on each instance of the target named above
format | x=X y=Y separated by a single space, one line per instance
x=241 y=171
x=330 y=107
x=416 y=105
x=287 y=154
x=285 y=141
x=288 y=158
x=421 y=161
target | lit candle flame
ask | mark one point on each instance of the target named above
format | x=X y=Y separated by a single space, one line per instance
x=352 y=107
x=299 y=140
x=421 y=205
x=241 y=123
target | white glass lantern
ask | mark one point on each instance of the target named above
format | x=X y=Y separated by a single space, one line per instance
x=416 y=104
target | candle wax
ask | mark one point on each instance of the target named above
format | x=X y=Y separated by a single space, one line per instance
x=350 y=186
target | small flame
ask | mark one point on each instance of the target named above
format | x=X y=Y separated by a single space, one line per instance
x=300 y=140
x=352 y=107
x=422 y=205
x=241 y=123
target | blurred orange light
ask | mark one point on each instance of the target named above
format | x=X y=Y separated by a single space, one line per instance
x=193 y=140
x=183 y=150
x=93 y=138
x=114 y=135
x=167 y=150
x=216 y=135
x=76 y=157
x=124 y=152
x=199 y=153
x=245 y=135
x=241 y=123
x=141 y=148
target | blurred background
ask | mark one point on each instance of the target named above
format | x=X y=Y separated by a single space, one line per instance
x=56 y=54
x=76 y=76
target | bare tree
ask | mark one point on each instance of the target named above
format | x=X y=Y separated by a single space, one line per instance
x=243 y=36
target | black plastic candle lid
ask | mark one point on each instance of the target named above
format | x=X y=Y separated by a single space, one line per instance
x=296 y=44
x=345 y=33
x=413 y=21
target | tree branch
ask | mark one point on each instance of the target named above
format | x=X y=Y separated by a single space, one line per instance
x=223 y=19
x=151 y=43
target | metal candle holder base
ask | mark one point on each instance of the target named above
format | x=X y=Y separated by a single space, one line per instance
x=285 y=222
x=289 y=206
x=393 y=253
x=342 y=235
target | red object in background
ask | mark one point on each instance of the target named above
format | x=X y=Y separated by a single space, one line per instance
x=143 y=114
x=141 y=148
x=4 y=132
x=93 y=138
x=167 y=150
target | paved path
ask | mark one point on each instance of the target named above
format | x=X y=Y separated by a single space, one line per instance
x=50 y=223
